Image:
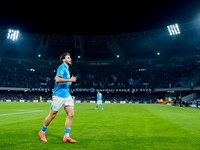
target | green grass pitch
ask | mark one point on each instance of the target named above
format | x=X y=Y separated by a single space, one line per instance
x=118 y=126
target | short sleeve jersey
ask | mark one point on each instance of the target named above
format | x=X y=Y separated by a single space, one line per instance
x=99 y=96
x=62 y=89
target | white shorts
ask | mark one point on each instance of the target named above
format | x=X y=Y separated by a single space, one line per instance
x=99 y=102
x=57 y=102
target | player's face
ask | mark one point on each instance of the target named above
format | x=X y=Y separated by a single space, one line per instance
x=68 y=60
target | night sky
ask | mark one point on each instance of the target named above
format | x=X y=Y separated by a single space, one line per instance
x=96 y=18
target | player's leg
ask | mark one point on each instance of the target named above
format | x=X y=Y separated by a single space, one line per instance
x=50 y=117
x=69 y=109
x=55 y=106
x=97 y=104
x=100 y=102
x=101 y=106
x=70 y=114
x=68 y=123
x=47 y=121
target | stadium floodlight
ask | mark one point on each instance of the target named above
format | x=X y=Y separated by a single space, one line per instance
x=173 y=29
x=13 y=34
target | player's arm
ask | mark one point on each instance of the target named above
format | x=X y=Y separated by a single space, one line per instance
x=59 y=79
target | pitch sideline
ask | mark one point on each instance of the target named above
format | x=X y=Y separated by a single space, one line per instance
x=21 y=112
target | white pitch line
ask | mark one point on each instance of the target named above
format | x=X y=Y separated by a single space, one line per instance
x=21 y=112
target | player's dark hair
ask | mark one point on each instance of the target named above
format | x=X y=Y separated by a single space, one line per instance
x=63 y=56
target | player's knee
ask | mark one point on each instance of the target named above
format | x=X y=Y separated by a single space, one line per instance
x=71 y=115
x=53 y=115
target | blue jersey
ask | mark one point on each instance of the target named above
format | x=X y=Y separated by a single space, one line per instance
x=99 y=96
x=62 y=89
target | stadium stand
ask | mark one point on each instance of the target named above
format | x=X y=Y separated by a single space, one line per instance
x=30 y=74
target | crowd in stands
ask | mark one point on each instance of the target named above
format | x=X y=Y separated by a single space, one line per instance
x=21 y=95
x=135 y=76
x=30 y=74
x=113 y=97
x=117 y=75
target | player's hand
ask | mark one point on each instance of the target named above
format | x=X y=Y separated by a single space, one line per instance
x=73 y=79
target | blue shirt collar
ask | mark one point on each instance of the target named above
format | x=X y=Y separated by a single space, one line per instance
x=64 y=65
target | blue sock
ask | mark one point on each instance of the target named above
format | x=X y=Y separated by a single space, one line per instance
x=44 y=128
x=101 y=105
x=97 y=106
x=67 y=130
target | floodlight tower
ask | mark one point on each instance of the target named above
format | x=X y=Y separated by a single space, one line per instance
x=7 y=39
x=173 y=30
x=13 y=34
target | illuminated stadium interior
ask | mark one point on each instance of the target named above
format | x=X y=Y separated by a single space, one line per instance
x=142 y=57
x=151 y=54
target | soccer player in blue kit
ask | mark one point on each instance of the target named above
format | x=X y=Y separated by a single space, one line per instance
x=99 y=100
x=61 y=97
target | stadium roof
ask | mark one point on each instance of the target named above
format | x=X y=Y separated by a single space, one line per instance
x=100 y=30
x=82 y=18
